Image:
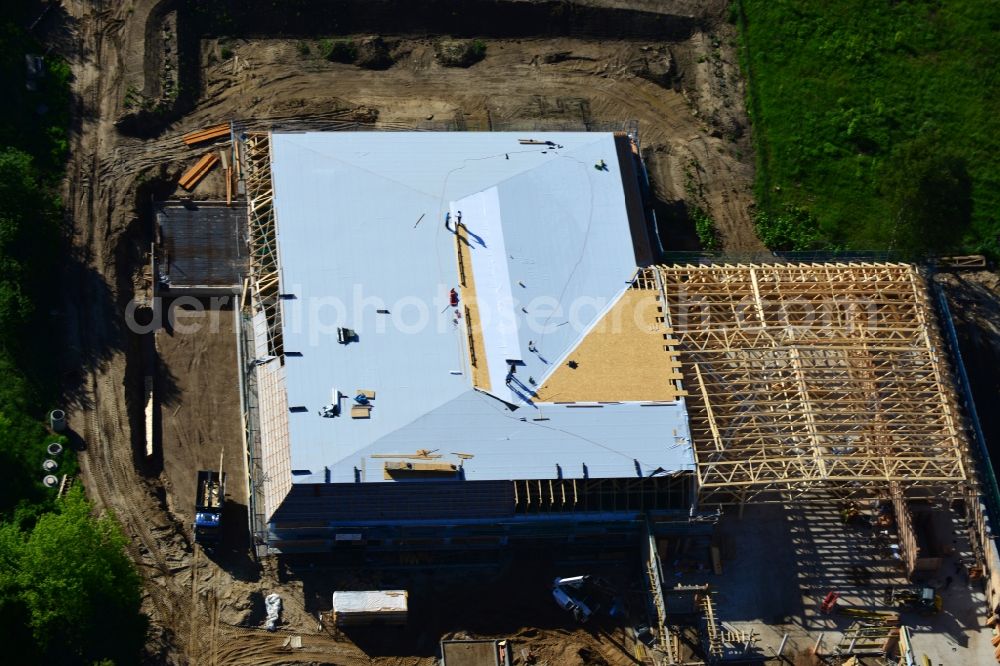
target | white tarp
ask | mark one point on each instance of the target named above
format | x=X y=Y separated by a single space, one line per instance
x=273 y=605
x=378 y=601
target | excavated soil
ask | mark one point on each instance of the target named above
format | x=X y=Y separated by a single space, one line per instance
x=683 y=89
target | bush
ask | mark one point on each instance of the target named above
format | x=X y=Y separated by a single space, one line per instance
x=71 y=576
x=836 y=92
x=930 y=191
x=304 y=49
x=340 y=50
x=373 y=53
x=791 y=229
x=704 y=226
x=460 y=53
x=68 y=593
x=27 y=235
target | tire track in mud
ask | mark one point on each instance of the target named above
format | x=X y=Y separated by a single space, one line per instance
x=107 y=467
x=142 y=546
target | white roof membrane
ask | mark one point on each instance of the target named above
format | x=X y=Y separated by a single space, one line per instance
x=363 y=245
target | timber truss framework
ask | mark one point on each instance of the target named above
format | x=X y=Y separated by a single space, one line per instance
x=813 y=377
x=264 y=269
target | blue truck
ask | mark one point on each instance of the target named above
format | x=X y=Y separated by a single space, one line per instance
x=208 y=507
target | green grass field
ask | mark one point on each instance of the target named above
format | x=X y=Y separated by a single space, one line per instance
x=877 y=121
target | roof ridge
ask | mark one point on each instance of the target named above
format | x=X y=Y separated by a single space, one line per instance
x=536 y=167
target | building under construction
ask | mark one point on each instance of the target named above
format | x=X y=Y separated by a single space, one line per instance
x=469 y=338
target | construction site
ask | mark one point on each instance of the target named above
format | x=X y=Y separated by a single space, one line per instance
x=412 y=363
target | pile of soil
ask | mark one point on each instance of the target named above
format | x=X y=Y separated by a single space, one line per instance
x=460 y=52
x=374 y=53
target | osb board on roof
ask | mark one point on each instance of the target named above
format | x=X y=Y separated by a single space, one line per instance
x=470 y=312
x=622 y=359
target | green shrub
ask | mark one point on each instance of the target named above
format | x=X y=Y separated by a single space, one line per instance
x=704 y=226
x=339 y=50
x=930 y=192
x=790 y=229
x=66 y=584
x=304 y=49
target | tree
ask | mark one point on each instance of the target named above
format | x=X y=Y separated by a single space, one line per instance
x=21 y=453
x=931 y=193
x=28 y=239
x=76 y=585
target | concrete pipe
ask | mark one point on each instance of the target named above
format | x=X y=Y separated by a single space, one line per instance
x=57 y=420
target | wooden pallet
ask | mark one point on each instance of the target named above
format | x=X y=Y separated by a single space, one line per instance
x=207 y=134
x=193 y=175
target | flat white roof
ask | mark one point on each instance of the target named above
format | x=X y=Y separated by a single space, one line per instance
x=363 y=244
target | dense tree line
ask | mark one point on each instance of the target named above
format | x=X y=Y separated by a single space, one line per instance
x=68 y=592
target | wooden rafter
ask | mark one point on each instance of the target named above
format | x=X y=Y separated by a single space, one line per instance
x=813 y=376
x=264 y=268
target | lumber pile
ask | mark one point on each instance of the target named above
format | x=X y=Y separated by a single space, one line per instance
x=194 y=175
x=207 y=134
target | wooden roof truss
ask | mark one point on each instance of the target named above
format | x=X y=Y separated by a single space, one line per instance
x=264 y=268
x=813 y=376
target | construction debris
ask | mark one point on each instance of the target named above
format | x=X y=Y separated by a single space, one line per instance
x=420 y=454
x=867 y=638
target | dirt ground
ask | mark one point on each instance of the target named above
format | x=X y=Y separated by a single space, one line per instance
x=199 y=416
x=694 y=138
x=208 y=609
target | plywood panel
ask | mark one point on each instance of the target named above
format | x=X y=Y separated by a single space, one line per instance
x=622 y=359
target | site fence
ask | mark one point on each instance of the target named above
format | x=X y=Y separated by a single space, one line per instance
x=457 y=124
x=249 y=399
x=769 y=257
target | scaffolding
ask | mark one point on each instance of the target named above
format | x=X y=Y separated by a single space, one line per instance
x=267 y=408
x=721 y=642
x=666 y=641
x=812 y=376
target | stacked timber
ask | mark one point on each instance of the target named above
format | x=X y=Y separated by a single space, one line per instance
x=207 y=134
x=194 y=175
